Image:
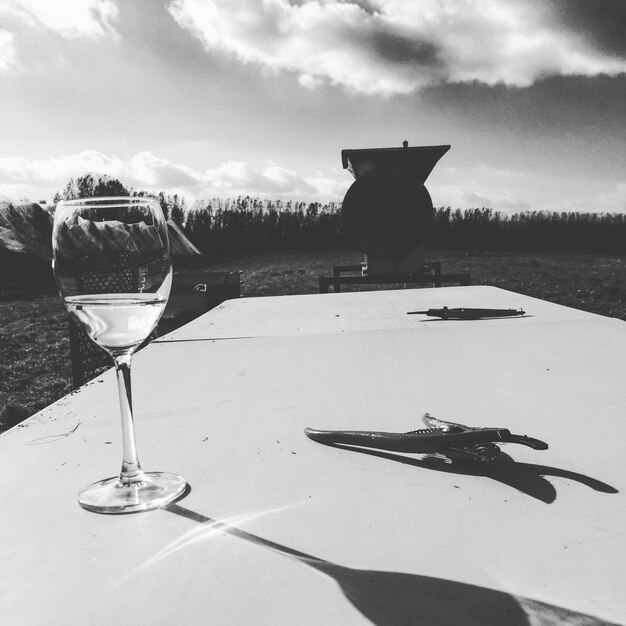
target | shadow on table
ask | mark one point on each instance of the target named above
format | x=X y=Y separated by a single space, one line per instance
x=398 y=599
x=525 y=477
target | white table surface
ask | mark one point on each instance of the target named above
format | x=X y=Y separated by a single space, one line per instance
x=278 y=529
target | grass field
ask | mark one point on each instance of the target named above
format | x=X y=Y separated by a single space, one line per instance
x=34 y=345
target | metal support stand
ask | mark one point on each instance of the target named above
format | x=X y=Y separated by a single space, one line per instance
x=430 y=276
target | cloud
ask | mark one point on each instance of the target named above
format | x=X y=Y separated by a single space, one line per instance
x=511 y=191
x=459 y=196
x=399 y=46
x=238 y=176
x=483 y=186
x=610 y=197
x=8 y=56
x=70 y=19
x=476 y=186
x=601 y=22
x=20 y=177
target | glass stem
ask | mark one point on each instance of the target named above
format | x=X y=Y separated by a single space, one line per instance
x=131 y=470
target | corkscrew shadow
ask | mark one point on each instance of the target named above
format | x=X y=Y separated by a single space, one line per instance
x=526 y=478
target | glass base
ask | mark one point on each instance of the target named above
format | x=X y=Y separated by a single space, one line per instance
x=111 y=496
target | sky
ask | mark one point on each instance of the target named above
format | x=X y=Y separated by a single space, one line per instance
x=220 y=98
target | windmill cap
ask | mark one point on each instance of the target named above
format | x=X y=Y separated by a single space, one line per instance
x=418 y=161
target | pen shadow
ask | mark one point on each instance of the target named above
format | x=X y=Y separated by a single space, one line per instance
x=475 y=319
x=401 y=599
x=526 y=478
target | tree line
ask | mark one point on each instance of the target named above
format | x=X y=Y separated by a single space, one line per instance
x=253 y=224
x=537 y=231
x=250 y=224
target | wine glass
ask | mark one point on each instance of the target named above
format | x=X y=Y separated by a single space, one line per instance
x=113 y=271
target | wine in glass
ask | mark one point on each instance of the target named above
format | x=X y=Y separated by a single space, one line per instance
x=113 y=271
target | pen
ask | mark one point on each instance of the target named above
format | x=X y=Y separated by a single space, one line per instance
x=467 y=314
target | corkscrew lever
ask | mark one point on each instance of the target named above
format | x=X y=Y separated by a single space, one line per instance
x=440 y=436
